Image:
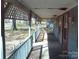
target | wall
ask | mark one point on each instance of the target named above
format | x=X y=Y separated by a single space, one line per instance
x=72 y=32
x=72 y=35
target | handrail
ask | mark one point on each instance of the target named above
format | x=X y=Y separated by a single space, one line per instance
x=24 y=44
x=19 y=46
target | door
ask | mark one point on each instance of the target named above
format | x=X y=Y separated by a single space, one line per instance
x=65 y=32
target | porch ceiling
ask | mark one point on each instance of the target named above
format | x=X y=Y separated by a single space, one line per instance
x=48 y=8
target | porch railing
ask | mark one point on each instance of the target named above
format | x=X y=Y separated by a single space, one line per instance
x=22 y=50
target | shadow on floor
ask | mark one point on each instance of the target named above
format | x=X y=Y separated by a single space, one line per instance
x=55 y=48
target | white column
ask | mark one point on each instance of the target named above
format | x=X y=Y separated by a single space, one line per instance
x=1 y=43
x=1 y=48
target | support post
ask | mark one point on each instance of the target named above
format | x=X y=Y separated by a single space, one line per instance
x=36 y=23
x=2 y=29
x=29 y=17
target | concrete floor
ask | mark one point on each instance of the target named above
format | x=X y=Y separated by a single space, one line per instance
x=45 y=52
x=40 y=49
x=35 y=53
x=49 y=48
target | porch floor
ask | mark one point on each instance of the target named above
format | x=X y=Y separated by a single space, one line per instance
x=40 y=51
x=49 y=48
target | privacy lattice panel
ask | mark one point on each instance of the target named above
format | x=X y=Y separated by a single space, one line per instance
x=13 y=12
